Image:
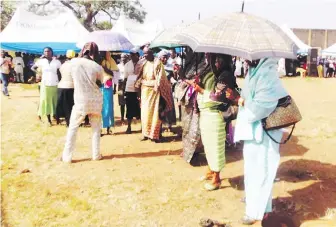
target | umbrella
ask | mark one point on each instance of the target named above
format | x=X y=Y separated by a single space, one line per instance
x=168 y=39
x=239 y=34
x=107 y=41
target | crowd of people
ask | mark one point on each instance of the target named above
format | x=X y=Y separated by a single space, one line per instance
x=203 y=86
x=327 y=68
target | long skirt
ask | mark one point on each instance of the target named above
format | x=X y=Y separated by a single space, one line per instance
x=108 y=110
x=261 y=161
x=191 y=137
x=320 y=71
x=65 y=103
x=48 y=100
x=213 y=134
x=170 y=117
x=150 y=121
x=132 y=105
x=121 y=96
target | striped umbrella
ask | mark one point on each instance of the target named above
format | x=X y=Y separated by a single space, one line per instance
x=239 y=34
x=107 y=41
x=167 y=38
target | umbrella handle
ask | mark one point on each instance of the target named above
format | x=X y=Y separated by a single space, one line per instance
x=243 y=4
x=196 y=63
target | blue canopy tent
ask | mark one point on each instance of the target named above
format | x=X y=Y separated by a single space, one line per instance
x=37 y=48
x=30 y=33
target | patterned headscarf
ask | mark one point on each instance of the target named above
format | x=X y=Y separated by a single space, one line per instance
x=90 y=49
x=196 y=63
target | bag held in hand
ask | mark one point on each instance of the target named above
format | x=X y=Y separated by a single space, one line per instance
x=285 y=114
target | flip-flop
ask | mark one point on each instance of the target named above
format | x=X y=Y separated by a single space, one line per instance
x=211 y=187
x=207 y=222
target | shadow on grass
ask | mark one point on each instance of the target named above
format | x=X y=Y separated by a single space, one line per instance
x=310 y=202
x=136 y=155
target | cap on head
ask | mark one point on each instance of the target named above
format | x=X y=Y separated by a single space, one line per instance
x=70 y=54
x=163 y=53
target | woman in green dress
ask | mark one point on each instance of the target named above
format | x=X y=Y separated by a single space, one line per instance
x=215 y=94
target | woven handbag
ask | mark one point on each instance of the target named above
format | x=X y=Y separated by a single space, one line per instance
x=285 y=114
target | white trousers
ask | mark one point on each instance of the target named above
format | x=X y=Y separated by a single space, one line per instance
x=19 y=77
x=261 y=163
x=75 y=120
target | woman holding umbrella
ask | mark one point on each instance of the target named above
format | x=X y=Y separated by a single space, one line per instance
x=215 y=93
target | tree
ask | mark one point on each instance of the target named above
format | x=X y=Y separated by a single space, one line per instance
x=7 y=11
x=103 y=25
x=86 y=11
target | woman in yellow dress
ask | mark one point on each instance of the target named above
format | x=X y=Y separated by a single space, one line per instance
x=320 y=70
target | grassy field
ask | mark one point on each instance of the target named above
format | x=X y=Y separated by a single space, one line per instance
x=148 y=184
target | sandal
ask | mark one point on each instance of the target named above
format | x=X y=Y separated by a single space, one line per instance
x=100 y=157
x=205 y=178
x=128 y=131
x=246 y=220
x=144 y=138
x=157 y=141
x=211 y=186
x=207 y=222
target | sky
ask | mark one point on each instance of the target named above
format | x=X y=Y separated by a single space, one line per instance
x=314 y=14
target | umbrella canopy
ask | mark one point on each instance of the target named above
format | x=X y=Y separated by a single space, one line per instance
x=107 y=41
x=168 y=39
x=239 y=34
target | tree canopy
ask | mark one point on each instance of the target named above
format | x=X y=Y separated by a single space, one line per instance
x=7 y=11
x=85 y=11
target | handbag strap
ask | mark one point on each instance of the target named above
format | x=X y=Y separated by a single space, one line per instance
x=285 y=141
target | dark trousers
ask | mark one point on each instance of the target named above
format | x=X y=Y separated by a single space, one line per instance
x=5 y=81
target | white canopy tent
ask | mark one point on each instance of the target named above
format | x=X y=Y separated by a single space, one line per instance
x=303 y=48
x=28 y=32
x=330 y=51
x=138 y=34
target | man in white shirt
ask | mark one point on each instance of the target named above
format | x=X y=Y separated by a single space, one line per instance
x=88 y=99
x=131 y=93
x=121 y=88
x=18 y=67
x=174 y=59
